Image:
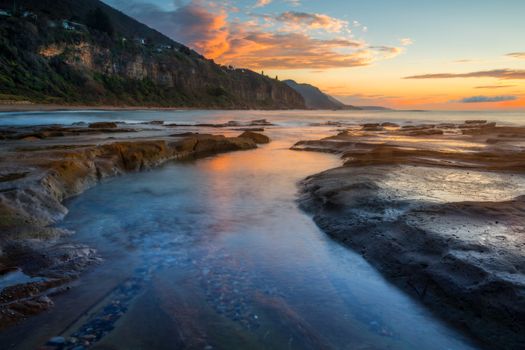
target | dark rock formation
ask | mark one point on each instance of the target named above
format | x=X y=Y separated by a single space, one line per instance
x=478 y=287
x=463 y=259
x=103 y=125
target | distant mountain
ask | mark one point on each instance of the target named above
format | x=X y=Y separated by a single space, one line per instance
x=86 y=52
x=315 y=98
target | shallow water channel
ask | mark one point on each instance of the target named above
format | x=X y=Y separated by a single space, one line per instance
x=216 y=254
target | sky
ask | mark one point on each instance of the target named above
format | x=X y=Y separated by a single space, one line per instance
x=403 y=54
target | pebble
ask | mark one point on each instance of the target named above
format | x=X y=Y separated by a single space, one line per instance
x=55 y=341
x=225 y=290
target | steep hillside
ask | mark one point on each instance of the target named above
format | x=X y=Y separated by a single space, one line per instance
x=315 y=98
x=85 y=52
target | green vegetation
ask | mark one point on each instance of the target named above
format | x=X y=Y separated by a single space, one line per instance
x=99 y=20
x=85 y=52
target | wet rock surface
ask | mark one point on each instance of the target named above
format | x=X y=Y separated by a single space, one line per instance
x=441 y=218
x=482 y=146
x=230 y=124
x=103 y=125
x=62 y=162
x=35 y=133
x=51 y=266
x=255 y=137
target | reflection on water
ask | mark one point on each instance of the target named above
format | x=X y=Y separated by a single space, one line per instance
x=215 y=254
x=17 y=276
x=448 y=185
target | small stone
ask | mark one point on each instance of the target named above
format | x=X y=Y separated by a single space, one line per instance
x=56 y=341
x=255 y=137
x=102 y=125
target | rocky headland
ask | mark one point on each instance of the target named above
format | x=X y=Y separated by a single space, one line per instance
x=86 y=53
x=439 y=210
x=41 y=166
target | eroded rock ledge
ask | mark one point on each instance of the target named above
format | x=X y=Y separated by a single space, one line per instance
x=35 y=179
x=440 y=214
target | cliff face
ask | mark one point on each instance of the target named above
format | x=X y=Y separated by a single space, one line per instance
x=48 y=54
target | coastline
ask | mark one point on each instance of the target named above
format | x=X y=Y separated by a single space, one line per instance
x=50 y=108
x=461 y=255
x=39 y=174
x=80 y=156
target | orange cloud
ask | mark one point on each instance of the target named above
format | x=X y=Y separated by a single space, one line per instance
x=253 y=47
x=264 y=50
x=206 y=31
x=200 y=24
x=283 y=41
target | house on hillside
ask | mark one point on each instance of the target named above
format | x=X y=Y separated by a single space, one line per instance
x=162 y=48
x=29 y=14
x=69 y=25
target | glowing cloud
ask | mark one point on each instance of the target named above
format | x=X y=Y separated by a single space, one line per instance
x=289 y=40
x=507 y=74
x=258 y=50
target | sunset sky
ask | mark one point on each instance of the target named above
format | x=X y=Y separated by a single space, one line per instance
x=407 y=54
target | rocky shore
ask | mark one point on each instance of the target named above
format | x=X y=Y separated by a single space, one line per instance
x=439 y=210
x=44 y=165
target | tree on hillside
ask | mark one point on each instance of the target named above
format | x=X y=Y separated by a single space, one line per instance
x=99 y=20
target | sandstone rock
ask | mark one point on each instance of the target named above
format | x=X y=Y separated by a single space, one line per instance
x=372 y=128
x=390 y=125
x=261 y=122
x=255 y=137
x=472 y=282
x=47 y=175
x=425 y=132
